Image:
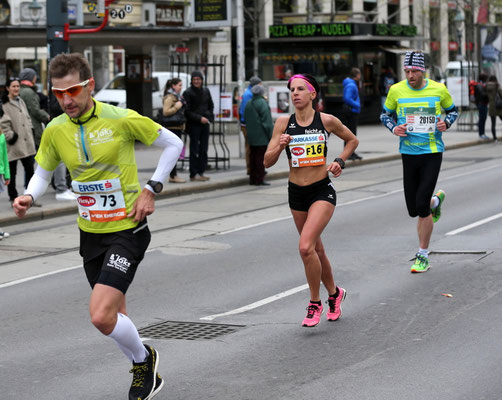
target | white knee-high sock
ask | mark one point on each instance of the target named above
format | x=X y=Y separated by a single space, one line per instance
x=127 y=338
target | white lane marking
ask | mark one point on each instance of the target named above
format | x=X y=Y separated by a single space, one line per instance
x=474 y=225
x=376 y=196
x=255 y=225
x=30 y=278
x=258 y=303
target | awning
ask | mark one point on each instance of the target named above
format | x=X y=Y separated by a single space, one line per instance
x=401 y=49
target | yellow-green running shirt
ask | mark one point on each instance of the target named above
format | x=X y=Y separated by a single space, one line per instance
x=420 y=109
x=100 y=157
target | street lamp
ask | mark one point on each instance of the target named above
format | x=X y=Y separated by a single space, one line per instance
x=459 y=24
x=35 y=13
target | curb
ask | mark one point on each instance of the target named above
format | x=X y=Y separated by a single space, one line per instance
x=38 y=215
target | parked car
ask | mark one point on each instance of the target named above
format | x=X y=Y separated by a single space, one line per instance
x=114 y=91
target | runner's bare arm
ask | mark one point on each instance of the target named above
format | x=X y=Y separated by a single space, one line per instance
x=36 y=188
x=334 y=125
x=278 y=142
x=143 y=206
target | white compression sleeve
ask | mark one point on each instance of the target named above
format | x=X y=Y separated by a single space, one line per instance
x=38 y=183
x=172 y=149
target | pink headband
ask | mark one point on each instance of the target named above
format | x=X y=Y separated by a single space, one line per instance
x=300 y=76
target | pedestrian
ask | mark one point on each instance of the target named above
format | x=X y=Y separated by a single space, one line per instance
x=39 y=118
x=481 y=100
x=4 y=174
x=96 y=143
x=246 y=96
x=199 y=113
x=259 y=131
x=17 y=128
x=312 y=196
x=387 y=79
x=28 y=92
x=417 y=103
x=352 y=104
x=494 y=92
x=173 y=111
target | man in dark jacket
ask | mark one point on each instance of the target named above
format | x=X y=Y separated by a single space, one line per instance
x=481 y=99
x=199 y=113
x=259 y=130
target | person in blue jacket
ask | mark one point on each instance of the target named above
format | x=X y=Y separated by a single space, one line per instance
x=247 y=95
x=352 y=104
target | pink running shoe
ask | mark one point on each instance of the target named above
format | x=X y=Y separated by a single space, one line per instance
x=335 y=305
x=314 y=312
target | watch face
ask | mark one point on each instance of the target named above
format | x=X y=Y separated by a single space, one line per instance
x=156 y=186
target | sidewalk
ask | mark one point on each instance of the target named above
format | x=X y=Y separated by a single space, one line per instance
x=376 y=144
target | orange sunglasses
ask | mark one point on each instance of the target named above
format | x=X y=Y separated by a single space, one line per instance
x=71 y=91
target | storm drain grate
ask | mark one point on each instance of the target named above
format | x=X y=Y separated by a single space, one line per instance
x=187 y=330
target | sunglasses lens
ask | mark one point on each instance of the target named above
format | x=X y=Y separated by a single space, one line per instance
x=58 y=93
x=74 y=91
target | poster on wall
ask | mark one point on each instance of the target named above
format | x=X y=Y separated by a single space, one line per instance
x=223 y=106
x=279 y=101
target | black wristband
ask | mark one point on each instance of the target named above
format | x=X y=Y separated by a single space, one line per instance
x=340 y=162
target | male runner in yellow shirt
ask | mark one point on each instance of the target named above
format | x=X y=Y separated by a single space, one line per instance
x=96 y=143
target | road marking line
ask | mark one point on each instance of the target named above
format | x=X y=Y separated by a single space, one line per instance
x=255 y=225
x=257 y=304
x=376 y=196
x=30 y=278
x=474 y=225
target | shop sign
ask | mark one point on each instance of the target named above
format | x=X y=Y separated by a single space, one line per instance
x=395 y=30
x=212 y=13
x=452 y=46
x=310 y=30
x=169 y=15
x=340 y=29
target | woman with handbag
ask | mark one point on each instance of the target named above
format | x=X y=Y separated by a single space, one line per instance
x=494 y=93
x=16 y=126
x=173 y=111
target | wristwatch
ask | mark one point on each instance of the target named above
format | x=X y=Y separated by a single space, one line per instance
x=156 y=186
x=340 y=162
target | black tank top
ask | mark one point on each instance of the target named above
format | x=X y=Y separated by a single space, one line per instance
x=315 y=127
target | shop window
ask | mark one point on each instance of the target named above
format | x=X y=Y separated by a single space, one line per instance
x=393 y=12
x=498 y=19
x=329 y=68
x=342 y=5
x=283 y=6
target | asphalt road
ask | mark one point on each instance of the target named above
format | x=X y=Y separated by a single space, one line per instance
x=230 y=257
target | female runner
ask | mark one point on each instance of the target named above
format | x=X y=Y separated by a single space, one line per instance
x=312 y=196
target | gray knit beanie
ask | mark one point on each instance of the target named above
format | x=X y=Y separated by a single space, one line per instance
x=27 y=74
x=258 y=90
x=254 y=81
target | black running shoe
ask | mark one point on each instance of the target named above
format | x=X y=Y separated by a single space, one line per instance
x=144 y=382
x=158 y=386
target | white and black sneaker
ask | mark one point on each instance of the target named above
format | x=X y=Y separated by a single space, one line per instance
x=146 y=382
x=4 y=235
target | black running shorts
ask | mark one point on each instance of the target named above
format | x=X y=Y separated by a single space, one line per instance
x=302 y=197
x=420 y=175
x=112 y=258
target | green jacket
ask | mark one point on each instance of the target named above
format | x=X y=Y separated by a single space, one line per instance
x=4 y=160
x=37 y=115
x=259 y=123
